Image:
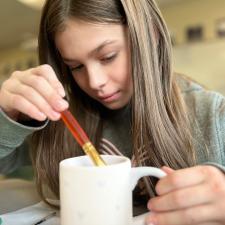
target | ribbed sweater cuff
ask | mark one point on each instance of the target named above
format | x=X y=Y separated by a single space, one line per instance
x=12 y=133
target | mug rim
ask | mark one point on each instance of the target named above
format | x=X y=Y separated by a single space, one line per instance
x=119 y=160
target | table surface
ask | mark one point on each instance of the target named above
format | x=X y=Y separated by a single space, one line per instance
x=16 y=194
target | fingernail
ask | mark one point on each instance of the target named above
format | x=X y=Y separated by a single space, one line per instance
x=55 y=115
x=151 y=223
x=149 y=205
x=42 y=116
x=151 y=219
x=61 y=92
x=61 y=104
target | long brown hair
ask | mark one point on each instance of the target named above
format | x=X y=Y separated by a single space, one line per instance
x=160 y=126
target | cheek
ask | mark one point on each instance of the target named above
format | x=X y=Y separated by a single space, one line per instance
x=123 y=70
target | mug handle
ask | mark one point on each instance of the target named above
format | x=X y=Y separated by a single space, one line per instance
x=139 y=172
x=136 y=174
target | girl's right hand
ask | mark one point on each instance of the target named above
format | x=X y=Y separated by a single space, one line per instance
x=35 y=92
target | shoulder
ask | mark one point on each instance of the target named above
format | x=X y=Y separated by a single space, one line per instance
x=199 y=98
x=206 y=110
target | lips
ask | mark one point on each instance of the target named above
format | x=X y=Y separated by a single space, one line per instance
x=109 y=97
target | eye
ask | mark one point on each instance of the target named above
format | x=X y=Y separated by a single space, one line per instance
x=77 y=68
x=109 y=58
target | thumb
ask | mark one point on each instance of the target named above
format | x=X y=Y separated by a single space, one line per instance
x=167 y=169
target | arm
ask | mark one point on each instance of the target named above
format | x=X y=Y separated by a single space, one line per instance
x=196 y=195
x=27 y=99
x=14 y=142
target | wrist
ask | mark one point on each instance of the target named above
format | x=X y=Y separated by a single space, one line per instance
x=12 y=114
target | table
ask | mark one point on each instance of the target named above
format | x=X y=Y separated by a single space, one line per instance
x=16 y=194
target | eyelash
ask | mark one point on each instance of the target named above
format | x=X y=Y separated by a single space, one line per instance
x=76 y=68
x=109 y=58
x=105 y=60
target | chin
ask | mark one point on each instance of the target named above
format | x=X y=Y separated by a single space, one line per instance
x=115 y=105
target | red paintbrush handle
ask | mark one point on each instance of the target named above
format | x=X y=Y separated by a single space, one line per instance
x=74 y=127
x=81 y=137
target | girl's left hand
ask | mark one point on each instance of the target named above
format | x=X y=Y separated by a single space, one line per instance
x=193 y=196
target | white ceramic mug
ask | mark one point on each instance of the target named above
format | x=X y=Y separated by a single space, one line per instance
x=91 y=195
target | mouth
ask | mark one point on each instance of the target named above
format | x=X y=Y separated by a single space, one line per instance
x=110 y=97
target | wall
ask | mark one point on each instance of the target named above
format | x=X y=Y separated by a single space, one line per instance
x=187 y=13
x=16 y=59
x=203 y=61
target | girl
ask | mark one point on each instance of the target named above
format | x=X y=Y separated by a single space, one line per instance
x=111 y=59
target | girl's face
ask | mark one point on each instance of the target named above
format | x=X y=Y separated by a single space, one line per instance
x=98 y=57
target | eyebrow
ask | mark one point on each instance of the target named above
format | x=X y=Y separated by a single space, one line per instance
x=98 y=49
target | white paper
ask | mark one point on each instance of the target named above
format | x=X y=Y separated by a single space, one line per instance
x=28 y=216
x=33 y=214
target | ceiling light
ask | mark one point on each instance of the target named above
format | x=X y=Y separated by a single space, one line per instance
x=36 y=4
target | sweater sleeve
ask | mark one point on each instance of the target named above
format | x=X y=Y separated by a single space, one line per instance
x=219 y=133
x=207 y=115
x=13 y=142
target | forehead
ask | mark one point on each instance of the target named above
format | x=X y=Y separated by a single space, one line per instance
x=80 y=36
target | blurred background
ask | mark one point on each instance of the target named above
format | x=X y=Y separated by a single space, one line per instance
x=197 y=29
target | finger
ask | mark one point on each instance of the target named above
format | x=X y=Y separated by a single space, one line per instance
x=46 y=90
x=49 y=74
x=182 y=198
x=24 y=106
x=195 y=215
x=37 y=100
x=209 y=223
x=167 y=169
x=180 y=179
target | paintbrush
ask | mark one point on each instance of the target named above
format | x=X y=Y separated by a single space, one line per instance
x=81 y=137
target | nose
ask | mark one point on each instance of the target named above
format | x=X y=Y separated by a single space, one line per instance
x=97 y=77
